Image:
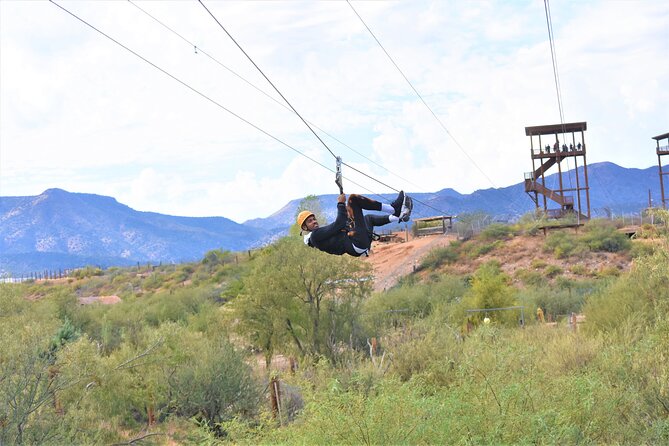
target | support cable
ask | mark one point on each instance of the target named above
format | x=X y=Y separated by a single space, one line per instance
x=293 y=108
x=513 y=202
x=421 y=98
x=200 y=50
x=558 y=88
x=246 y=121
x=556 y=76
x=266 y=78
x=202 y=94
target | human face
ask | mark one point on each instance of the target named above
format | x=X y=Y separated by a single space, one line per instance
x=311 y=223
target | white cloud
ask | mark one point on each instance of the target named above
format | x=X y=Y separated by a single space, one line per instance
x=79 y=112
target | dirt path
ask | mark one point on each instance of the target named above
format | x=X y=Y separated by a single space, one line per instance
x=393 y=260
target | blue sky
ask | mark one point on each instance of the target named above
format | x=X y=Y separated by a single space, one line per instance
x=80 y=113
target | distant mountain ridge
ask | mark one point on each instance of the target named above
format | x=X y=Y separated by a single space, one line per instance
x=59 y=229
x=613 y=190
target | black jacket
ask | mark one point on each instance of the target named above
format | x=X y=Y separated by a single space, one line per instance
x=333 y=238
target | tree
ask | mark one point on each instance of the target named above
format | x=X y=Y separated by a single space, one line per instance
x=297 y=294
x=260 y=312
x=490 y=288
x=208 y=379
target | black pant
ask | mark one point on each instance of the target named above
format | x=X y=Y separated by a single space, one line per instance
x=364 y=224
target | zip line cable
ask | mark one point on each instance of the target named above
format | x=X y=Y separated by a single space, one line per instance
x=203 y=95
x=200 y=50
x=421 y=97
x=558 y=92
x=556 y=76
x=513 y=202
x=222 y=106
x=551 y=40
x=293 y=108
x=266 y=78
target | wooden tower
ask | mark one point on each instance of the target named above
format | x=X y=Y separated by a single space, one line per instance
x=661 y=151
x=553 y=145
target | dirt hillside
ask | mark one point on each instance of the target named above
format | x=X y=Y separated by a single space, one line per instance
x=393 y=260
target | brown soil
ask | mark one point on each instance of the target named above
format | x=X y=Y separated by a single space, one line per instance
x=105 y=300
x=393 y=260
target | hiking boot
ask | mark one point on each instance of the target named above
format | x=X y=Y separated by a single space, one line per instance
x=397 y=204
x=407 y=206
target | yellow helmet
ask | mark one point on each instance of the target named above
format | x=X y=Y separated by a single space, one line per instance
x=302 y=216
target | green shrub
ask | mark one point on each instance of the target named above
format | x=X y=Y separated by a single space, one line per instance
x=641 y=249
x=390 y=413
x=490 y=288
x=552 y=271
x=497 y=231
x=208 y=379
x=555 y=300
x=89 y=271
x=602 y=235
x=647 y=231
x=579 y=270
x=608 y=271
x=529 y=277
x=475 y=249
x=642 y=295
x=538 y=264
x=560 y=243
x=432 y=355
x=440 y=256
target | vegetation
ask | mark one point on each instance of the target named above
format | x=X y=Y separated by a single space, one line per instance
x=188 y=354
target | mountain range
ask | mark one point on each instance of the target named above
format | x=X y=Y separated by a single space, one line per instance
x=59 y=229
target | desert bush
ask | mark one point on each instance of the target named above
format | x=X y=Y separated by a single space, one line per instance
x=217 y=257
x=490 y=288
x=497 y=231
x=553 y=270
x=447 y=289
x=407 y=303
x=538 y=264
x=579 y=270
x=33 y=377
x=398 y=304
x=529 y=277
x=476 y=250
x=391 y=413
x=608 y=271
x=440 y=256
x=602 y=235
x=641 y=249
x=642 y=294
x=554 y=300
x=207 y=378
x=560 y=243
x=432 y=354
x=88 y=271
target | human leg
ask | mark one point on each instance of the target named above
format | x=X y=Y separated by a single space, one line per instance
x=361 y=235
x=362 y=202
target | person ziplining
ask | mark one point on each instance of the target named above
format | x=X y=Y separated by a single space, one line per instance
x=352 y=232
x=352 y=235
